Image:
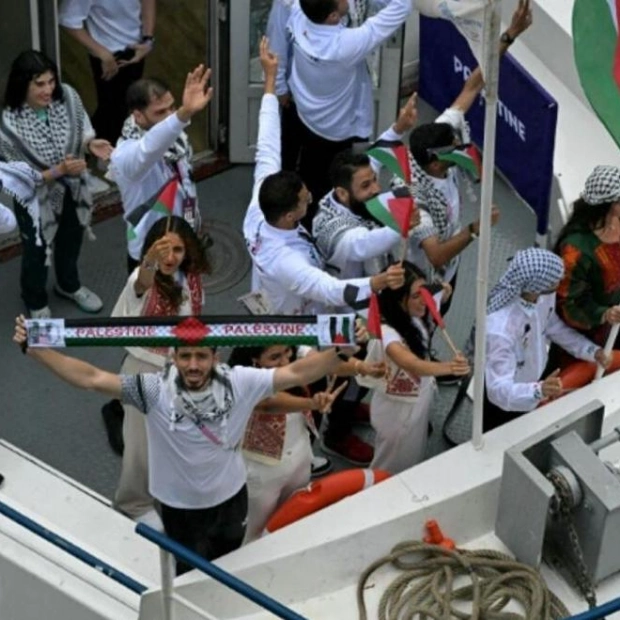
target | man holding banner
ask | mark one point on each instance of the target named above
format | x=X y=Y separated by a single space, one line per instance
x=196 y=413
x=151 y=163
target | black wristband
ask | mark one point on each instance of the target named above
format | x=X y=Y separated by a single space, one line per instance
x=506 y=38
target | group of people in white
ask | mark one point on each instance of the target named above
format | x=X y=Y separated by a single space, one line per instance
x=222 y=445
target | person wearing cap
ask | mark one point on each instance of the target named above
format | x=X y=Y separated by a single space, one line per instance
x=521 y=321
x=588 y=298
x=440 y=238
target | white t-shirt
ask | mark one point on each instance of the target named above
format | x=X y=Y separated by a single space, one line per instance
x=115 y=24
x=186 y=468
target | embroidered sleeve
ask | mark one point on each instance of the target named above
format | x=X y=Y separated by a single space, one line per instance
x=140 y=391
x=576 y=304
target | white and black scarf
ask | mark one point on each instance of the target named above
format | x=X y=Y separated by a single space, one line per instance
x=43 y=144
x=211 y=405
x=330 y=223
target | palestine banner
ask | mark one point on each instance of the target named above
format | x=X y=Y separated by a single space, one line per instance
x=597 y=57
x=467 y=157
x=393 y=209
x=209 y=331
x=394 y=156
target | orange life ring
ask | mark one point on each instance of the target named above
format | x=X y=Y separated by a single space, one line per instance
x=581 y=373
x=322 y=493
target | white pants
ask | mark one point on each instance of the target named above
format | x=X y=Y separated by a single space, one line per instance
x=271 y=485
x=401 y=428
x=132 y=495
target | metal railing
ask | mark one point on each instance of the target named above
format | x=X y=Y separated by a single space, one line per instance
x=170 y=548
x=598 y=613
x=72 y=549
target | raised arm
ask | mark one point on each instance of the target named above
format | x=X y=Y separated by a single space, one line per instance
x=520 y=22
x=309 y=369
x=73 y=371
x=133 y=158
x=357 y=43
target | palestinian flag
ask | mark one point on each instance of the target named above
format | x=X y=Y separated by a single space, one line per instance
x=165 y=201
x=597 y=57
x=466 y=157
x=373 y=323
x=162 y=204
x=393 y=209
x=394 y=156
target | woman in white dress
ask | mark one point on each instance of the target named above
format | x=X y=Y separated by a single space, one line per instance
x=276 y=446
x=168 y=282
x=400 y=403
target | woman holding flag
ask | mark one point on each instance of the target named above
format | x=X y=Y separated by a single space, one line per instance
x=167 y=282
x=400 y=404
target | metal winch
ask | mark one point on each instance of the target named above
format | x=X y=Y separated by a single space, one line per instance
x=556 y=491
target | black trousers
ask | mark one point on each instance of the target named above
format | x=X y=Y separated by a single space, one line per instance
x=209 y=532
x=111 y=109
x=292 y=128
x=315 y=159
x=67 y=246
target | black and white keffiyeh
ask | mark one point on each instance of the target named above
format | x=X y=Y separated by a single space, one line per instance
x=358 y=12
x=180 y=148
x=211 y=405
x=603 y=185
x=19 y=181
x=531 y=271
x=43 y=143
x=330 y=223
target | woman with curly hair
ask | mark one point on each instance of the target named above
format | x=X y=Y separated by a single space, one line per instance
x=168 y=282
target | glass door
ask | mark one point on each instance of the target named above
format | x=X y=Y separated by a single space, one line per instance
x=248 y=23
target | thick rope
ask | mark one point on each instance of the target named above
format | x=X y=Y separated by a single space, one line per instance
x=426 y=590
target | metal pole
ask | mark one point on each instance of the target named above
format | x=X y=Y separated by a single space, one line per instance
x=166 y=565
x=230 y=581
x=609 y=345
x=491 y=75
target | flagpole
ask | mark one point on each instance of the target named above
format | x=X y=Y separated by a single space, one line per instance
x=492 y=17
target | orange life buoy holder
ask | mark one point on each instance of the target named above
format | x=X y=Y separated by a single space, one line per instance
x=321 y=493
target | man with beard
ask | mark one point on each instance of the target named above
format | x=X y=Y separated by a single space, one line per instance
x=153 y=156
x=196 y=412
x=352 y=241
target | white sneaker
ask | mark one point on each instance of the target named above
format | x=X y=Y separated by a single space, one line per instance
x=43 y=313
x=83 y=297
x=320 y=466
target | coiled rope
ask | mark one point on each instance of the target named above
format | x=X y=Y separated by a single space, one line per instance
x=427 y=586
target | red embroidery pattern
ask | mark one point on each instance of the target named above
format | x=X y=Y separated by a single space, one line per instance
x=608 y=257
x=403 y=384
x=157 y=305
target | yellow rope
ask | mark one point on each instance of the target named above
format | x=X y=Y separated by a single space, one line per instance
x=425 y=589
